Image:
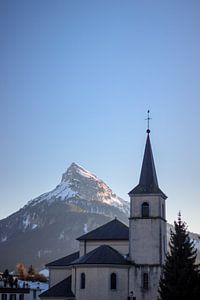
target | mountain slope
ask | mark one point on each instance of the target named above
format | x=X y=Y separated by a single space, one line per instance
x=46 y=228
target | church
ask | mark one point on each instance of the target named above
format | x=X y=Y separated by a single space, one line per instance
x=116 y=262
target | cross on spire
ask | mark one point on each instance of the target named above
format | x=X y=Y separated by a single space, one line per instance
x=148 y=119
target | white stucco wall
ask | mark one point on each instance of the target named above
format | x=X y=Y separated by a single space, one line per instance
x=58 y=274
x=136 y=282
x=97 y=283
x=155 y=202
x=122 y=246
x=148 y=236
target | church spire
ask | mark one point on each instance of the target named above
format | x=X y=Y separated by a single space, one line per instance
x=148 y=183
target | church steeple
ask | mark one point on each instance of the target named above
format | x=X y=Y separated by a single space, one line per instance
x=148 y=183
x=147 y=229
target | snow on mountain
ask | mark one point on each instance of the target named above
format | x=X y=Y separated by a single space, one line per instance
x=47 y=227
x=78 y=182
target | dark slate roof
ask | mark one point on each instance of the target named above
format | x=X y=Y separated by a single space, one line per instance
x=64 y=261
x=102 y=255
x=148 y=183
x=5 y=290
x=60 y=290
x=113 y=230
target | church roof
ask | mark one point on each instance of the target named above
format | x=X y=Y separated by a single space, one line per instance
x=64 y=261
x=148 y=183
x=60 y=290
x=104 y=254
x=113 y=230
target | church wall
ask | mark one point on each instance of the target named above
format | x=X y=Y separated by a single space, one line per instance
x=121 y=246
x=146 y=241
x=97 y=283
x=136 y=282
x=153 y=200
x=57 y=275
x=147 y=233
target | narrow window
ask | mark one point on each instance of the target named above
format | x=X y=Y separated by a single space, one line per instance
x=145 y=210
x=21 y=296
x=4 y=297
x=113 y=281
x=34 y=294
x=12 y=296
x=82 y=280
x=163 y=211
x=145 y=281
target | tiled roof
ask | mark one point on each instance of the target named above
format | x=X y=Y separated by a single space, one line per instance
x=102 y=255
x=148 y=183
x=60 y=290
x=113 y=230
x=64 y=261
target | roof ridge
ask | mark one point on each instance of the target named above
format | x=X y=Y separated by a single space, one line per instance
x=112 y=230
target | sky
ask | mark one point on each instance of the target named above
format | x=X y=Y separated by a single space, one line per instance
x=76 y=81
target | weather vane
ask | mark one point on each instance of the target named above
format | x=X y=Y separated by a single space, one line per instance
x=148 y=119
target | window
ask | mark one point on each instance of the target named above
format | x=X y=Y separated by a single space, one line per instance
x=145 y=281
x=163 y=211
x=34 y=294
x=12 y=296
x=145 y=210
x=113 y=281
x=82 y=281
x=21 y=296
x=4 y=297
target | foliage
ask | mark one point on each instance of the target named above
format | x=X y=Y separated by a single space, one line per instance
x=21 y=271
x=180 y=278
x=31 y=275
x=40 y=277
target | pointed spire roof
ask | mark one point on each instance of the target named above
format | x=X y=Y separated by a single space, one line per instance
x=148 y=183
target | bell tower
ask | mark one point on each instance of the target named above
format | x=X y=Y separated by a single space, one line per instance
x=147 y=230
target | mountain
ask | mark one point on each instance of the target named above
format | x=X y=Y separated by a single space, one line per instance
x=47 y=227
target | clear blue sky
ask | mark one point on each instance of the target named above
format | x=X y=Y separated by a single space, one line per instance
x=76 y=80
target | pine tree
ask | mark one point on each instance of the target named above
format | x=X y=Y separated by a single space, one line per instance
x=180 y=278
x=31 y=271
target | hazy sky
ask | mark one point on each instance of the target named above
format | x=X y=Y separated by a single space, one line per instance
x=76 y=80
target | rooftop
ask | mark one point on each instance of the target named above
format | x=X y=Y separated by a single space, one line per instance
x=60 y=290
x=113 y=230
x=148 y=183
x=102 y=255
x=64 y=261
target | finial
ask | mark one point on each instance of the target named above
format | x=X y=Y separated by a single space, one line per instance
x=148 y=119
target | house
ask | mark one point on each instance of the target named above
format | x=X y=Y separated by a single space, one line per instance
x=21 y=291
x=115 y=261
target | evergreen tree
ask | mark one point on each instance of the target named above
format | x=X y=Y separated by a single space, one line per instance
x=31 y=271
x=180 y=278
x=5 y=274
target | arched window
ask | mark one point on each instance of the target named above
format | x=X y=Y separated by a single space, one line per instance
x=145 y=210
x=145 y=281
x=113 y=281
x=82 y=281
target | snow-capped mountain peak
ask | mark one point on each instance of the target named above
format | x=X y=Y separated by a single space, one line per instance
x=77 y=183
x=77 y=169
